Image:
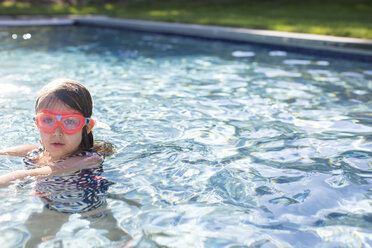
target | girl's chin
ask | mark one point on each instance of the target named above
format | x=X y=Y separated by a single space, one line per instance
x=56 y=155
x=58 y=151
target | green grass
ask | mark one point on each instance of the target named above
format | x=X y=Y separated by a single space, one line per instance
x=348 y=18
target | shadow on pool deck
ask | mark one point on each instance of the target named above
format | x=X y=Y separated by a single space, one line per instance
x=360 y=49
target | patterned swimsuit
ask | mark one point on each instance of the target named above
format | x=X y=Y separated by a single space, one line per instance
x=78 y=192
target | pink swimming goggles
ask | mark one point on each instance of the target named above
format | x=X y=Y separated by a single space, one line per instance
x=69 y=121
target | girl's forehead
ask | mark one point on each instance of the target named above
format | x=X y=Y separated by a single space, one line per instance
x=53 y=104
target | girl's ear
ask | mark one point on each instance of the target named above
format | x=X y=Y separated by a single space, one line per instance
x=89 y=127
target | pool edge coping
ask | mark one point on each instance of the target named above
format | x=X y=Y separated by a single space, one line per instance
x=340 y=45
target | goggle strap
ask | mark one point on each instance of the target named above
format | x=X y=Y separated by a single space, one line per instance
x=87 y=121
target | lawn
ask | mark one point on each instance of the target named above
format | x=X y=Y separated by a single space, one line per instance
x=348 y=18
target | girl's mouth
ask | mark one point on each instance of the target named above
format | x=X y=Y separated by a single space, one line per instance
x=57 y=144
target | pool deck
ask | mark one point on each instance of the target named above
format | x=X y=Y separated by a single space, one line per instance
x=327 y=44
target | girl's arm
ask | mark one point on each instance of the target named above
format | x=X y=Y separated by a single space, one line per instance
x=21 y=174
x=91 y=160
x=60 y=168
x=19 y=151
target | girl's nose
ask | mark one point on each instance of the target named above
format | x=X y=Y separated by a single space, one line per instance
x=58 y=131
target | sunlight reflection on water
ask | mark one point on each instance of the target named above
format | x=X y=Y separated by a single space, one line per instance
x=221 y=144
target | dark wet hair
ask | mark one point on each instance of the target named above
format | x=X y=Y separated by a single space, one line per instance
x=76 y=96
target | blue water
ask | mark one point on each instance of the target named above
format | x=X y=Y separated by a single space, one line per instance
x=218 y=144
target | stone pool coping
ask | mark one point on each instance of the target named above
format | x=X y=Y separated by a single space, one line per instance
x=323 y=43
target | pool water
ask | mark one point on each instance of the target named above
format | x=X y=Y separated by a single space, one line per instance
x=218 y=144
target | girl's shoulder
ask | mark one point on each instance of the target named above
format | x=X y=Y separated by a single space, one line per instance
x=87 y=153
x=105 y=149
x=30 y=158
x=35 y=152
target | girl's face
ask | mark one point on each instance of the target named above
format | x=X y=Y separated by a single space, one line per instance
x=58 y=143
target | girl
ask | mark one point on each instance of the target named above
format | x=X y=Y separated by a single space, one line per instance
x=63 y=110
x=67 y=162
x=67 y=165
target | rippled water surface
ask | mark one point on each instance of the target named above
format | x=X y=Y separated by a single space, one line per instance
x=219 y=144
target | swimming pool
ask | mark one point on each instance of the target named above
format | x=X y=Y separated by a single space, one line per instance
x=219 y=144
